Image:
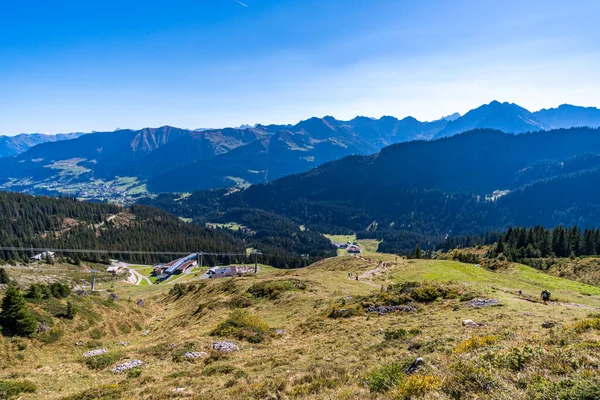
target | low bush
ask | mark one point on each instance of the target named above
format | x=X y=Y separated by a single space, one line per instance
x=273 y=289
x=107 y=392
x=12 y=389
x=244 y=326
x=475 y=342
x=96 y=333
x=579 y=387
x=240 y=302
x=587 y=325
x=415 y=387
x=223 y=369
x=386 y=377
x=51 y=336
x=101 y=361
x=466 y=379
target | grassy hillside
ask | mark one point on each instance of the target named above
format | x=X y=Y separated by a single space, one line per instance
x=306 y=334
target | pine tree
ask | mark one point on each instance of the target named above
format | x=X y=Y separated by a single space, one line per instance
x=15 y=317
x=4 y=279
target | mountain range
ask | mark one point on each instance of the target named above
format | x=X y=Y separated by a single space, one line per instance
x=466 y=184
x=169 y=159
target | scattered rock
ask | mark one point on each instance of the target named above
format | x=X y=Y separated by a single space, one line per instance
x=179 y=389
x=415 y=366
x=113 y=297
x=123 y=343
x=140 y=302
x=127 y=365
x=471 y=323
x=78 y=343
x=42 y=328
x=93 y=353
x=280 y=332
x=548 y=324
x=172 y=345
x=159 y=319
x=145 y=333
x=390 y=309
x=225 y=346
x=82 y=293
x=194 y=354
x=483 y=302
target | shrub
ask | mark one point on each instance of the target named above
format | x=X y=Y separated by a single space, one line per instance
x=273 y=289
x=107 y=392
x=587 y=325
x=466 y=379
x=12 y=389
x=96 y=333
x=345 y=312
x=573 y=388
x=4 y=279
x=223 y=369
x=134 y=373
x=51 y=336
x=516 y=358
x=425 y=294
x=101 y=361
x=395 y=335
x=243 y=325
x=475 y=342
x=240 y=302
x=386 y=377
x=123 y=327
x=415 y=387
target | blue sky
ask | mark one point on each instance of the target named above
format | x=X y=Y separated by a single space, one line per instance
x=97 y=65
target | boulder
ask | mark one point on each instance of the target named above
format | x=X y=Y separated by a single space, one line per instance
x=225 y=346
x=126 y=366
x=140 y=302
x=548 y=324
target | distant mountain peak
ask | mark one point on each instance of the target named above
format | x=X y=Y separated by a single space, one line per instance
x=451 y=117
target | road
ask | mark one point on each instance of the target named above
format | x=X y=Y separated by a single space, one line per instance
x=139 y=277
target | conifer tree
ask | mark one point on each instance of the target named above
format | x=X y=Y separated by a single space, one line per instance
x=15 y=317
x=4 y=279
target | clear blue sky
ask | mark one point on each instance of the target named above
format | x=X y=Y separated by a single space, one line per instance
x=101 y=64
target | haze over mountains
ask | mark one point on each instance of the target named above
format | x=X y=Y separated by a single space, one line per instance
x=169 y=159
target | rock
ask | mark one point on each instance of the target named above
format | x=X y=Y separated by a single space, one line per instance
x=471 y=323
x=158 y=319
x=477 y=303
x=145 y=333
x=194 y=354
x=225 y=346
x=548 y=324
x=180 y=389
x=140 y=302
x=82 y=293
x=123 y=343
x=42 y=328
x=390 y=309
x=415 y=366
x=280 y=332
x=78 y=343
x=113 y=297
x=126 y=366
x=93 y=353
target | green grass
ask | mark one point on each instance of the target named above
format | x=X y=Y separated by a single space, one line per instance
x=518 y=277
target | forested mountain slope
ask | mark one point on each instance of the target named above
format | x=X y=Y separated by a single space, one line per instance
x=469 y=183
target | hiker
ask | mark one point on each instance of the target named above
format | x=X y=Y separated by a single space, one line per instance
x=545 y=296
x=520 y=293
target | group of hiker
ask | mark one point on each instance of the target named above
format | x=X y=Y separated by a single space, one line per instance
x=545 y=295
